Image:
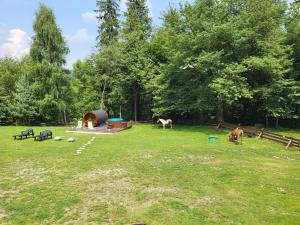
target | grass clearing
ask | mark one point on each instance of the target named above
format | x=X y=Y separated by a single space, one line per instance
x=148 y=174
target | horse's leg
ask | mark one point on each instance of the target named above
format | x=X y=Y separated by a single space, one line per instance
x=171 y=125
x=164 y=126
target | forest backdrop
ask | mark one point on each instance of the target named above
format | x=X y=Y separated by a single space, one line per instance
x=232 y=60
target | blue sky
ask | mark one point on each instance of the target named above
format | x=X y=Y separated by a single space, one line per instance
x=75 y=18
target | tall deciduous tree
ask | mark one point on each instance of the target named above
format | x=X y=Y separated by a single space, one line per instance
x=293 y=36
x=48 y=52
x=220 y=53
x=9 y=74
x=10 y=70
x=48 y=44
x=86 y=95
x=107 y=13
x=4 y=105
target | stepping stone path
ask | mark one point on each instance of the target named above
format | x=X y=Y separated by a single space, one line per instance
x=83 y=147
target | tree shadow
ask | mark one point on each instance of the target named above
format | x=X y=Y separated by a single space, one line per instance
x=204 y=129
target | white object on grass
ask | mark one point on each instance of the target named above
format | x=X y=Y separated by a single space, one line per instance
x=90 y=125
x=72 y=139
x=58 y=138
x=79 y=124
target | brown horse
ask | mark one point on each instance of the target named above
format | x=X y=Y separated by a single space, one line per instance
x=236 y=135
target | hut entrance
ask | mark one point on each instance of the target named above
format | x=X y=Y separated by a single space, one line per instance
x=96 y=117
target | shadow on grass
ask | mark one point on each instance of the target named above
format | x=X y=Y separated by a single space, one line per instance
x=208 y=130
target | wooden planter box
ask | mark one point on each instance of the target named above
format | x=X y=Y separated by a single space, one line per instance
x=121 y=124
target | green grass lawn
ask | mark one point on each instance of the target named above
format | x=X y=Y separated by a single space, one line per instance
x=148 y=174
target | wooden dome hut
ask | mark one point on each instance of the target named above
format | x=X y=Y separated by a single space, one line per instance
x=97 y=117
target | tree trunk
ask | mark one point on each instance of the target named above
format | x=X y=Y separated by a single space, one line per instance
x=65 y=117
x=277 y=122
x=201 y=117
x=220 y=113
x=102 y=97
x=267 y=122
x=135 y=105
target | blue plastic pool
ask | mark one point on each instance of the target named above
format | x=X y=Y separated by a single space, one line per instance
x=213 y=139
x=115 y=119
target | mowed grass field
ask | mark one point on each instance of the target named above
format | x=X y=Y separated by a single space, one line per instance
x=160 y=177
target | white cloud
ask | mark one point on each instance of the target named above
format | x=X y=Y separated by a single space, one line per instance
x=81 y=44
x=89 y=17
x=81 y=36
x=17 y=45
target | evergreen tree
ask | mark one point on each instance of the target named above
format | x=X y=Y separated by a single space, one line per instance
x=108 y=16
x=23 y=108
x=136 y=63
x=136 y=71
x=48 y=52
x=137 y=19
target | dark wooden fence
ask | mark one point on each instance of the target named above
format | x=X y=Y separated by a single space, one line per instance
x=262 y=133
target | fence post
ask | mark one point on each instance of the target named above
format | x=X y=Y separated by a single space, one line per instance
x=261 y=133
x=289 y=143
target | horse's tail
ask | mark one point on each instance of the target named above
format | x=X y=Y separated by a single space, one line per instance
x=242 y=134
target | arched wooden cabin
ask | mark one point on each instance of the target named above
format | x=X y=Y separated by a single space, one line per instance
x=97 y=117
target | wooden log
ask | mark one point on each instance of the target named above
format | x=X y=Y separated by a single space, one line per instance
x=275 y=139
x=275 y=136
x=295 y=144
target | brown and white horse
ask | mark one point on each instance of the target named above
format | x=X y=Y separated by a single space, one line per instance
x=165 y=122
x=236 y=135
